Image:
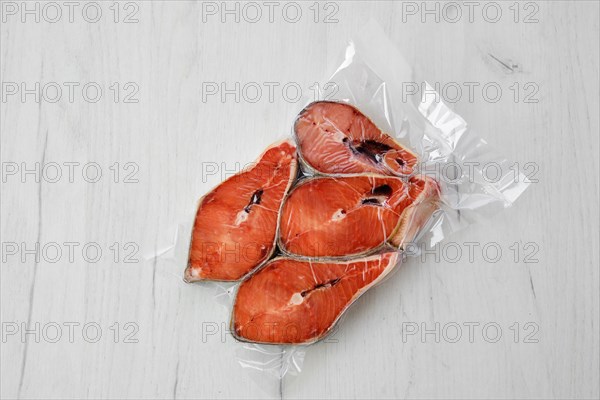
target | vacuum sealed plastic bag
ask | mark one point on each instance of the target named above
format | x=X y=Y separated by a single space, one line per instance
x=323 y=217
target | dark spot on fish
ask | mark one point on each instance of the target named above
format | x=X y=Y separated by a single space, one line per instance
x=371 y=149
x=255 y=199
x=380 y=195
x=400 y=162
x=382 y=190
x=325 y=285
x=371 y=201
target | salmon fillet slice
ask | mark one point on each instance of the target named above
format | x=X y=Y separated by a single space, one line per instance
x=293 y=301
x=336 y=138
x=235 y=227
x=351 y=216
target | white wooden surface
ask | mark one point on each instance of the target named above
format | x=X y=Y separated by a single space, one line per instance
x=171 y=133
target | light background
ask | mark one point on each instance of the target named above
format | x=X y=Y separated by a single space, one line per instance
x=171 y=132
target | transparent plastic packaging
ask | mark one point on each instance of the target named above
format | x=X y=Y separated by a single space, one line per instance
x=473 y=181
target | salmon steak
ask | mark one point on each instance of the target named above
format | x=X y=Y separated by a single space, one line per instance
x=236 y=223
x=352 y=216
x=293 y=301
x=336 y=138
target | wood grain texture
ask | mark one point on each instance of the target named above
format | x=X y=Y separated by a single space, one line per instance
x=173 y=135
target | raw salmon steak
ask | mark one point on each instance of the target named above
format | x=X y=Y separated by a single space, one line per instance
x=236 y=223
x=298 y=301
x=350 y=216
x=336 y=138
